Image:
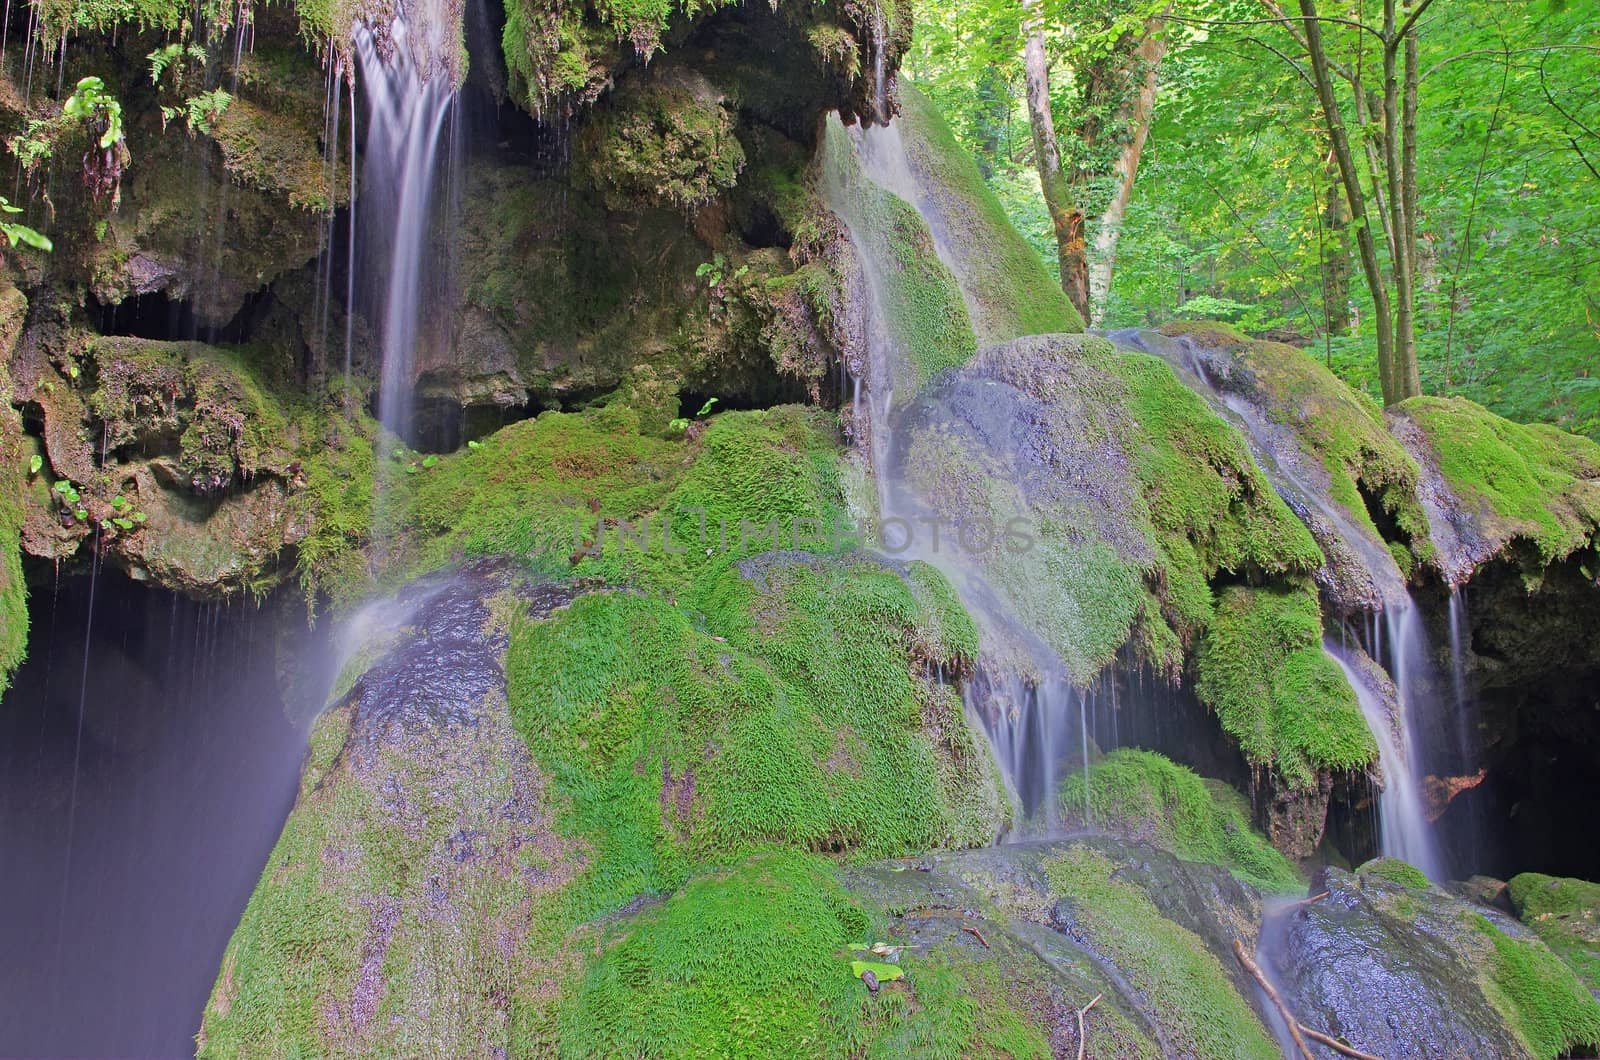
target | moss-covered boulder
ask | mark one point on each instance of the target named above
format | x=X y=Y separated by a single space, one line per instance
x=1041 y=930
x=1565 y=913
x=1262 y=668
x=1133 y=495
x=1144 y=797
x=1326 y=448
x=1493 y=487
x=179 y=462
x=1399 y=968
x=1009 y=292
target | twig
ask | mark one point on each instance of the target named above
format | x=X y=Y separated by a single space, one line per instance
x=1254 y=969
x=1336 y=1045
x=1083 y=1040
x=1313 y=898
x=975 y=933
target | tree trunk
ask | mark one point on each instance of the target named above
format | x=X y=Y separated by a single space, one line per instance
x=1065 y=215
x=1336 y=256
x=1351 y=179
x=1147 y=59
x=1407 y=372
x=1403 y=366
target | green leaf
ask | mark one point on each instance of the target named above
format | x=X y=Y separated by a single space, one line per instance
x=429 y=460
x=35 y=462
x=706 y=407
x=886 y=973
x=124 y=524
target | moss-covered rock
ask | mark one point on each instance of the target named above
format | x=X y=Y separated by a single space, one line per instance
x=1009 y=291
x=185 y=467
x=1396 y=871
x=1565 y=913
x=1326 y=446
x=1491 y=485
x=762 y=695
x=667 y=141
x=16 y=469
x=1128 y=496
x=1146 y=798
x=1262 y=668
x=1044 y=928
x=1397 y=967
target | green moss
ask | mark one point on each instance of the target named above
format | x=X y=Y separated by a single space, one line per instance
x=336 y=502
x=748 y=962
x=1211 y=511
x=1540 y=997
x=1009 y=291
x=1148 y=798
x=1202 y=1012
x=754 y=961
x=1529 y=481
x=1261 y=667
x=277 y=154
x=918 y=295
x=1565 y=913
x=15 y=454
x=1395 y=871
x=668 y=142
x=775 y=708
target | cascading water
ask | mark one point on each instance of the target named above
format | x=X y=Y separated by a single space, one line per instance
x=1038 y=722
x=1408 y=732
x=411 y=92
x=1404 y=831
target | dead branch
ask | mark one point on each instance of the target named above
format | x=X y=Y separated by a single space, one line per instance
x=1313 y=898
x=1254 y=969
x=1336 y=1045
x=1083 y=1039
x=975 y=933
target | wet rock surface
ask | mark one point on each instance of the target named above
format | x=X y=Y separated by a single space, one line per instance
x=1400 y=972
x=410 y=864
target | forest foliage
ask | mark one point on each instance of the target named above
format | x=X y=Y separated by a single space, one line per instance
x=1236 y=212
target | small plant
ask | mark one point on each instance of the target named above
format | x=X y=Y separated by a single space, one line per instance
x=682 y=422
x=21 y=234
x=715 y=273
x=34 y=464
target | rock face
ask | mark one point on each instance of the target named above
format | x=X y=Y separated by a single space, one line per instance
x=1062 y=923
x=1398 y=968
x=413 y=861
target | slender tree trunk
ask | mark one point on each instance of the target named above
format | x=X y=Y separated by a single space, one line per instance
x=1409 y=374
x=1403 y=382
x=1147 y=61
x=1351 y=178
x=1065 y=214
x=1336 y=255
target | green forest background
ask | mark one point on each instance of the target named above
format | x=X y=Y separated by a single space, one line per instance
x=1236 y=209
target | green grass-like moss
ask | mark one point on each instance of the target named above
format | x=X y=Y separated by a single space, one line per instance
x=1342 y=428
x=1395 y=871
x=1541 y=998
x=920 y=297
x=1261 y=667
x=1009 y=290
x=1202 y=1012
x=1530 y=481
x=1147 y=797
x=750 y=714
x=1211 y=510
x=1565 y=913
x=754 y=961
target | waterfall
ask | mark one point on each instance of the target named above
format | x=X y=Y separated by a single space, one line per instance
x=1037 y=721
x=411 y=94
x=1404 y=831
x=1407 y=732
